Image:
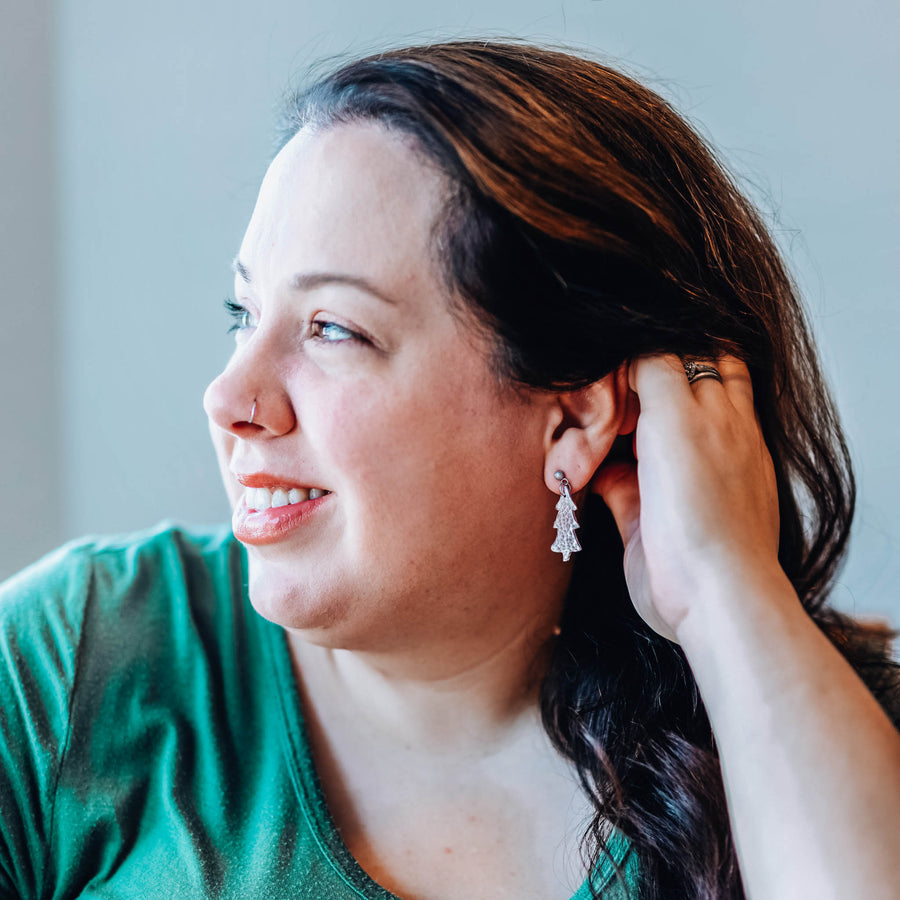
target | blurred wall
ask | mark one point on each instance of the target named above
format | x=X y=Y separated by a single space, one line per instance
x=162 y=122
x=32 y=504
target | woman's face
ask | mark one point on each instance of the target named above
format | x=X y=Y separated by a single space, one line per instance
x=417 y=479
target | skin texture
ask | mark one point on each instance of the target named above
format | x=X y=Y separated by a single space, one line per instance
x=420 y=596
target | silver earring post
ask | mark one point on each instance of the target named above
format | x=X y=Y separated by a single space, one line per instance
x=252 y=413
x=566 y=543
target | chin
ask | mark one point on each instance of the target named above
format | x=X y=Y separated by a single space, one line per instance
x=314 y=611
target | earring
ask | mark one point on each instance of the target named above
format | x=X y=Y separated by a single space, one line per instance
x=565 y=524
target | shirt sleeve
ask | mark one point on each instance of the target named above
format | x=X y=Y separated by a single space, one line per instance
x=41 y=613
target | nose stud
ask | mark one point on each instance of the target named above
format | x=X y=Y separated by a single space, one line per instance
x=252 y=413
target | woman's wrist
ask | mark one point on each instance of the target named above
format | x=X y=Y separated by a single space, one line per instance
x=736 y=603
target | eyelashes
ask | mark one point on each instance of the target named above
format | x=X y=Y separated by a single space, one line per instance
x=239 y=315
x=320 y=330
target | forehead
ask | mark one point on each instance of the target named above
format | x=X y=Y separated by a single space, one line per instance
x=354 y=197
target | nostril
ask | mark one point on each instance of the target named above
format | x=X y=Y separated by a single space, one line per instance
x=246 y=429
x=248 y=425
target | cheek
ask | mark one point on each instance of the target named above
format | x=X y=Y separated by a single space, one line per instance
x=374 y=438
x=436 y=437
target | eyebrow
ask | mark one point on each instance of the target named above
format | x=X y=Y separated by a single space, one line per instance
x=308 y=281
x=240 y=269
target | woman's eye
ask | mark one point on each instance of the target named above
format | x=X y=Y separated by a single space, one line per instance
x=332 y=333
x=239 y=315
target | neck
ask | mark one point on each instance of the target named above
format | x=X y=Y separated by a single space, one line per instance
x=477 y=694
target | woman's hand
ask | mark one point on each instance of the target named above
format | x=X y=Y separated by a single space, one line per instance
x=699 y=509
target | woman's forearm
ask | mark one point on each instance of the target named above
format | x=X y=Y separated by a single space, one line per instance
x=811 y=763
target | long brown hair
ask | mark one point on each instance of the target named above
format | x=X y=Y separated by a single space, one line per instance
x=587 y=224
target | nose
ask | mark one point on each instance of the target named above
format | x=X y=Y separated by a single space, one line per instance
x=248 y=398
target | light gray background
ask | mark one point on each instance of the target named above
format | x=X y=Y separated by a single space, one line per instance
x=133 y=137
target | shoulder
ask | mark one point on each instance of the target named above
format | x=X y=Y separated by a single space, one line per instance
x=110 y=591
x=125 y=598
x=80 y=630
x=48 y=601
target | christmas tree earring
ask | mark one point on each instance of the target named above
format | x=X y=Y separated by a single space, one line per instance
x=565 y=524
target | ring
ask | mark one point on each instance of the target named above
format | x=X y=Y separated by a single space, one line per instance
x=695 y=371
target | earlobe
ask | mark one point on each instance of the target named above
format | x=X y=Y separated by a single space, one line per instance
x=586 y=423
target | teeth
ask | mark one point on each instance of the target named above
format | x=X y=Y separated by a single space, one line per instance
x=260 y=499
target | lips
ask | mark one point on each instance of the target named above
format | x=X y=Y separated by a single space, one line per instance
x=271 y=509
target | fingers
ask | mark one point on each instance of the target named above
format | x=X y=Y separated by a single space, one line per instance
x=735 y=380
x=660 y=381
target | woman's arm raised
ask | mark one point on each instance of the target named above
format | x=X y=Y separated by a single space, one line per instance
x=811 y=763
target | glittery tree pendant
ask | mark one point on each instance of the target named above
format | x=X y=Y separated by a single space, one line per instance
x=565 y=524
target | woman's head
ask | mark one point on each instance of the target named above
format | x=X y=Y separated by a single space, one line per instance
x=362 y=383
x=355 y=377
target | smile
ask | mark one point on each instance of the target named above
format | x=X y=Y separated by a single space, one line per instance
x=268 y=515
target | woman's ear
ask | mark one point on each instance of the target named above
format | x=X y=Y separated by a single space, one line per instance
x=585 y=424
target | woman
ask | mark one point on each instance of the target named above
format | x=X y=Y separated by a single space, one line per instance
x=481 y=282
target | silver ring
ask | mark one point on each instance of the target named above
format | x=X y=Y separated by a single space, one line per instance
x=695 y=371
x=252 y=414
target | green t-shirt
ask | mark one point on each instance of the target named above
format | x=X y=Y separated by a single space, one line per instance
x=151 y=739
